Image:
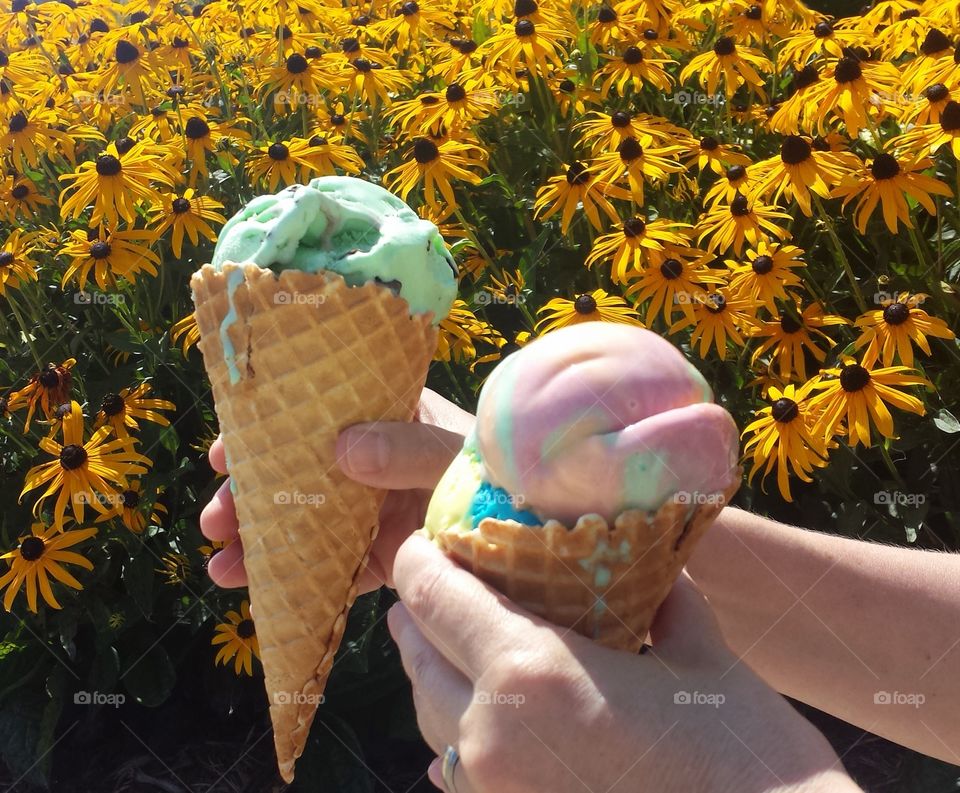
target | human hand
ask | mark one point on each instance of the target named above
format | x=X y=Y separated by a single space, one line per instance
x=532 y=707
x=407 y=459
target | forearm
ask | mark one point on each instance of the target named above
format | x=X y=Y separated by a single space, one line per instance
x=837 y=623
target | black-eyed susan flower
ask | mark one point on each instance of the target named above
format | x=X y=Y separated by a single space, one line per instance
x=412 y=21
x=460 y=333
x=131 y=510
x=929 y=138
x=579 y=186
x=127 y=65
x=175 y=568
x=536 y=46
x=714 y=155
x=121 y=411
x=767 y=273
x=327 y=156
x=39 y=556
x=201 y=135
x=596 y=306
x=793 y=334
x=573 y=95
x=781 y=436
x=283 y=162
x=718 y=317
x=186 y=214
x=887 y=332
x=887 y=181
x=674 y=284
x=108 y=255
x=726 y=226
x=736 y=64
x=28 y=133
x=634 y=69
x=83 y=473
x=635 y=164
x=16 y=264
x=854 y=397
x=20 y=199
x=507 y=288
x=928 y=106
x=299 y=81
x=611 y=26
x=372 y=82
x=116 y=184
x=453 y=57
x=853 y=91
x=461 y=104
x=820 y=39
x=185 y=332
x=435 y=166
x=604 y=132
x=47 y=389
x=735 y=179
x=238 y=635
x=799 y=170
x=637 y=243
x=800 y=107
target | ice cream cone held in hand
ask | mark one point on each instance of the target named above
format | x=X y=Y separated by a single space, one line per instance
x=597 y=462
x=319 y=311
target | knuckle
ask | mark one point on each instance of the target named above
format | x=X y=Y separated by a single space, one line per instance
x=425 y=592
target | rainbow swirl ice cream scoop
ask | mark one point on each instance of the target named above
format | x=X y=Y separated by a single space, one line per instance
x=597 y=459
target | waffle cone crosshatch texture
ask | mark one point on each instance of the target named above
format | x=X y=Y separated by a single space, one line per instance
x=312 y=356
x=605 y=582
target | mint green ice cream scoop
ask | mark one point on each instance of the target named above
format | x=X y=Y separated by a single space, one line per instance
x=347 y=226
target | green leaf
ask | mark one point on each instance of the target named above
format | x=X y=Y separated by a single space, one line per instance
x=169 y=439
x=946 y=421
x=149 y=675
x=104 y=669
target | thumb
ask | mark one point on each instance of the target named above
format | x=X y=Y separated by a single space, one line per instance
x=685 y=625
x=396 y=455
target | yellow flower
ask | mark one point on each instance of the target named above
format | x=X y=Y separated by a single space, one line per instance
x=83 y=473
x=49 y=388
x=767 y=273
x=782 y=436
x=853 y=397
x=186 y=214
x=587 y=307
x=634 y=69
x=724 y=226
x=639 y=242
x=16 y=266
x=185 y=332
x=718 y=316
x=435 y=166
x=537 y=45
x=42 y=554
x=283 y=163
x=888 y=331
x=793 y=333
x=579 y=186
x=738 y=65
x=238 y=635
x=110 y=255
x=675 y=284
x=121 y=411
x=460 y=332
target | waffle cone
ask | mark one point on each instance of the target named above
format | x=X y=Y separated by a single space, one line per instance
x=313 y=356
x=604 y=582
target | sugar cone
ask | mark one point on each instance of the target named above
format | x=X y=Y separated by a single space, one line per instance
x=312 y=356
x=604 y=582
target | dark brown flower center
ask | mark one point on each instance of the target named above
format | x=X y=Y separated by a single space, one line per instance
x=410 y=8
x=950 y=117
x=112 y=404
x=278 y=152
x=20 y=192
x=18 y=6
x=131 y=499
x=634 y=227
x=885 y=166
x=99 y=26
x=762 y=265
x=349 y=45
x=245 y=629
x=524 y=28
x=338 y=119
x=714 y=302
x=363 y=65
x=524 y=8
x=180 y=205
x=179 y=43
x=49 y=378
x=318 y=140
x=854 y=377
x=196 y=128
x=848 y=70
x=632 y=55
x=100 y=249
x=577 y=174
x=455 y=93
x=297 y=64
x=606 y=15
x=709 y=143
x=822 y=30
x=910 y=13
x=936 y=92
x=784 y=410
x=311 y=52
x=126 y=52
x=18 y=122
x=739 y=207
x=630 y=150
x=789 y=323
x=585 y=304
x=794 y=150
x=72 y=457
x=724 y=46
x=735 y=173
x=620 y=119
x=124 y=145
x=567 y=85
x=7 y=258
x=425 y=151
x=671 y=269
x=650 y=34
x=32 y=548
x=935 y=41
x=754 y=12
x=896 y=313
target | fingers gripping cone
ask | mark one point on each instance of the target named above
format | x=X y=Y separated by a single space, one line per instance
x=605 y=582
x=306 y=356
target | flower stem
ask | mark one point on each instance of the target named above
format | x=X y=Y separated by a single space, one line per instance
x=838 y=250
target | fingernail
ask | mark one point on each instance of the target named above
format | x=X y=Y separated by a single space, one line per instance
x=367 y=451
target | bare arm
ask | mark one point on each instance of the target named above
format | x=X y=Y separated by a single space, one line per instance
x=866 y=632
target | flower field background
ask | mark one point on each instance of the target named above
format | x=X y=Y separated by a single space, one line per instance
x=773 y=189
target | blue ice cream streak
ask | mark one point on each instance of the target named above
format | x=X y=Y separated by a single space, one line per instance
x=495 y=502
x=234 y=279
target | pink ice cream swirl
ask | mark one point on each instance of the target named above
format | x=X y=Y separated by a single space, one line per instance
x=599 y=418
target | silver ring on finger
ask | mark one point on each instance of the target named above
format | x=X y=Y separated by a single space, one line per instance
x=448 y=768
